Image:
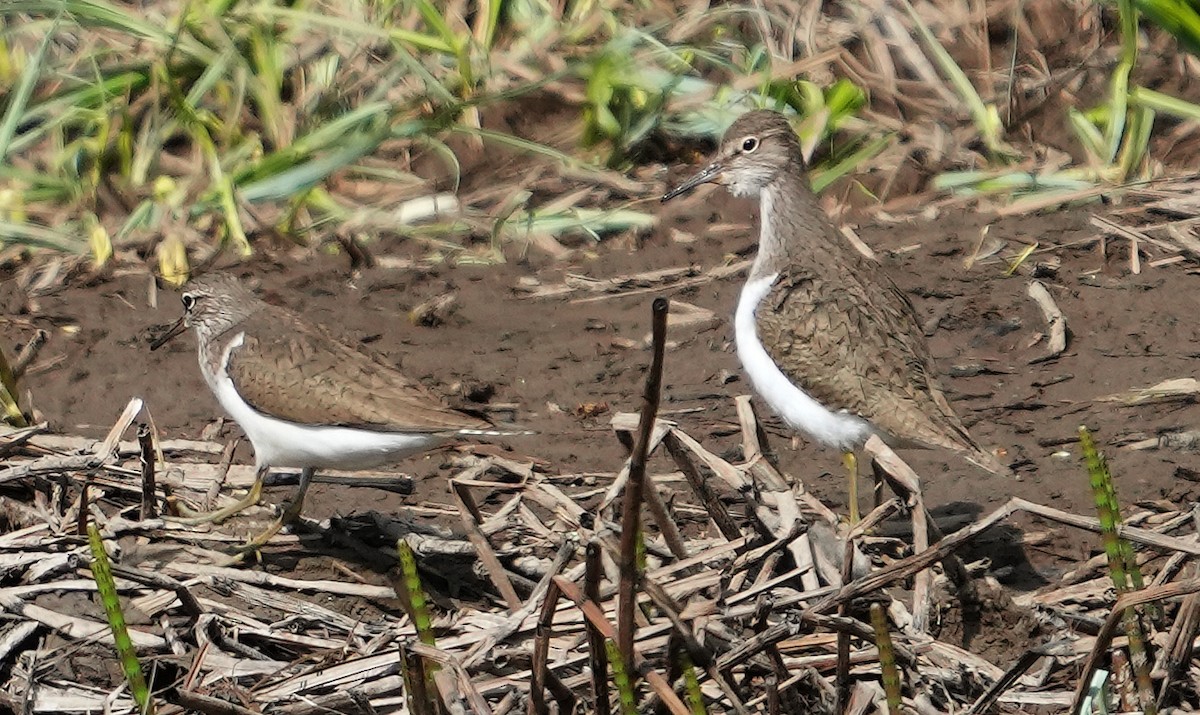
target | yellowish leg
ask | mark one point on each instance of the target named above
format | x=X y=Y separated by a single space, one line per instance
x=215 y=517
x=851 y=463
x=290 y=515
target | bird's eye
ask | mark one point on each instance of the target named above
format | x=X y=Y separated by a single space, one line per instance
x=749 y=144
x=189 y=301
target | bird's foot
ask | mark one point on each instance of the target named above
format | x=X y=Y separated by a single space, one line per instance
x=290 y=516
x=195 y=518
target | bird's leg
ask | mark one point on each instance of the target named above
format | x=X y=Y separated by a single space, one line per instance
x=215 y=517
x=851 y=462
x=290 y=515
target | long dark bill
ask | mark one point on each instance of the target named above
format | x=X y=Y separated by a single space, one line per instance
x=706 y=175
x=174 y=330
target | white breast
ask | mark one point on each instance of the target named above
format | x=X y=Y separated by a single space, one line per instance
x=835 y=429
x=279 y=443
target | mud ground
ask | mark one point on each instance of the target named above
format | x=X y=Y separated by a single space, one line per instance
x=562 y=363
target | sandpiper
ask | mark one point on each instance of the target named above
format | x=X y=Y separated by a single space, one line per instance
x=304 y=399
x=828 y=340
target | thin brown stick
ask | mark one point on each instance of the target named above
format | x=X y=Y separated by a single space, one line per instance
x=631 y=518
x=1055 y=321
x=1132 y=533
x=699 y=484
x=666 y=524
x=53 y=464
x=146 y=445
x=471 y=517
x=794 y=705
x=541 y=651
x=1178 y=652
x=416 y=681
x=988 y=699
x=597 y=652
x=85 y=498
x=907 y=485
x=207 y=704
x=187 y=601
x=452 y=681
x=843 y=638
x=29 y=353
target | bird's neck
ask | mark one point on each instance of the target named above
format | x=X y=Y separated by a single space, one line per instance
x=794 y=227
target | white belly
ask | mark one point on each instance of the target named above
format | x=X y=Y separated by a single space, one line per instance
x=835 y=429
x=278 y=443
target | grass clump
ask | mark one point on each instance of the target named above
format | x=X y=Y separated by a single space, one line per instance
x=213 y=126
x=172 y=130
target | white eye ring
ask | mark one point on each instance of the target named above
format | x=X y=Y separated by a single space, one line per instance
x=749 y=144
x=189 y=301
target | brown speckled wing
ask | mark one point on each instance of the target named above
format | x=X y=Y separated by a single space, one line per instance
x=849 y=338
x=289 y=371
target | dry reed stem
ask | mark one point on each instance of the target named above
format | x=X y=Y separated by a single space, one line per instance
x=471 y=518
x=632 y=504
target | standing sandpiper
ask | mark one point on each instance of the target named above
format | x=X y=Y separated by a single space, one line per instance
x=304 y=399
x=831 y=344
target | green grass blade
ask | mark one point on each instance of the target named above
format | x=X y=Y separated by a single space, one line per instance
x=986 y=119
x=20 y=96
x=887 y=659
x=9 y=396
x=233 y=220
x=102 y=574
x=625 y=694
x=1122 y=562
x=1110 y=520
x=62 y=239
x=493 y=9
x=1176 y=17
x=414 y=595
x=823 y=177
x=1164 y=103
x=1090 y=138
x=1137 y=140
x=691 y=685
x=305 y=175
x=1118 y=102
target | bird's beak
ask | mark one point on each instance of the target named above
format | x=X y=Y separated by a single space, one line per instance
x=709 y=173
x=174 y=330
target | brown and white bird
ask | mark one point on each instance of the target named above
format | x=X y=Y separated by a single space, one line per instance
x=304 y=399
x=828 y=340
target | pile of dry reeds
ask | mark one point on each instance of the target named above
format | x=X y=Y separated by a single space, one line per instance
x=760 y=602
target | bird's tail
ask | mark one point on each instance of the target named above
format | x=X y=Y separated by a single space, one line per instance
x=493 y=433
